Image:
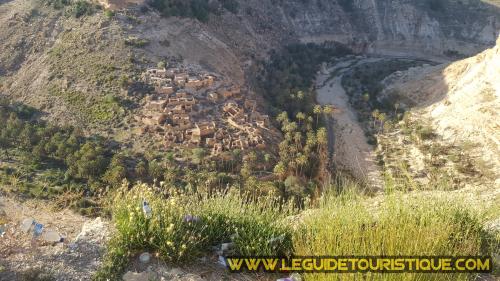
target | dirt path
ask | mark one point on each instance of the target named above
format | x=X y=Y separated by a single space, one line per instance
x=351 y=151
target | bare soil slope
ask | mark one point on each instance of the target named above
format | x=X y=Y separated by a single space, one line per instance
x=462 y=101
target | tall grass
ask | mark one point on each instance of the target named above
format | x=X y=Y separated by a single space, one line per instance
x=415 y=225
x=184 y=226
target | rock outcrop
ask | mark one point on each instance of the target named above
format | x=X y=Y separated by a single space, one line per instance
x=462 y=99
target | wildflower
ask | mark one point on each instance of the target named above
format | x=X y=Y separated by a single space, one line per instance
x=169 y=243
x=184 y=246
x=170 y=227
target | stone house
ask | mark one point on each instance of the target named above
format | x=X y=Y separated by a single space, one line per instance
x=157 y=72
x=159 y=81
x=210 y=142
x=171 y=72
x=204 y=129
x=208 y=80
x=232 y=109
x=157 y=105
x=166 y=90
x=213 y=97
x=194 y=83
x=180 y=79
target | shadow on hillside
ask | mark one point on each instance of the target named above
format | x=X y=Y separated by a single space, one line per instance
x=5 y=1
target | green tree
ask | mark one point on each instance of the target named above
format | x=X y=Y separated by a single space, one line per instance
x=117 y=170
x=141 y=170
x=317 y=111
x=301 y=117
x=280 y=170
x=89 y=162
x=198 y=155
x=322 y=138
x=155 y=169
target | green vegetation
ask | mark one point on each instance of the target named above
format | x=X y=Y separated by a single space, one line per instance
x=136 y=42
x=100 y=109
x=363 y=86
x=81 y=8
x=183 y=226
x=199 y=9
x=286 y=80
x=303 y=155
x=60 y=158
x=75 y=8
x=441 y=164
x=400 y=225
x=59 y=162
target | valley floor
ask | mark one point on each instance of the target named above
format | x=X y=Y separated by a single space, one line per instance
x=351 y=151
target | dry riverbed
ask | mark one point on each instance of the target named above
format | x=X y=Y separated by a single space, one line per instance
x=351 y=151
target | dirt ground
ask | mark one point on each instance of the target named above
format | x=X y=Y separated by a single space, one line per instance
x=81 y=253
x=351 y=151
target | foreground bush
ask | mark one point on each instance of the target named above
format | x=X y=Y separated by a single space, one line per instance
x=408 y=226
x=183 y=226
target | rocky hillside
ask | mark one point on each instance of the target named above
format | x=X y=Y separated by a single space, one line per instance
x=461 y=102
x=404 y=28
x=78 y=67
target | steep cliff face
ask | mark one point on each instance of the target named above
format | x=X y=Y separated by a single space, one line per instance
x=406 y=28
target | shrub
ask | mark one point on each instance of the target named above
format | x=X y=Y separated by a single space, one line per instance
x=81 y=8
x=183 y=226
x=136 y=42
x=109 y=14
x=57 y=4
x=198 y=9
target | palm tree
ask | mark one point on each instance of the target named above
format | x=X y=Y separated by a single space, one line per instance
x=301 y=117
x=302 y=161
x=317 y=110
x=297 y=138
x=282 y=118
x=300 y=95
x=280 y=170
x=290 y=127
x=322 y=138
